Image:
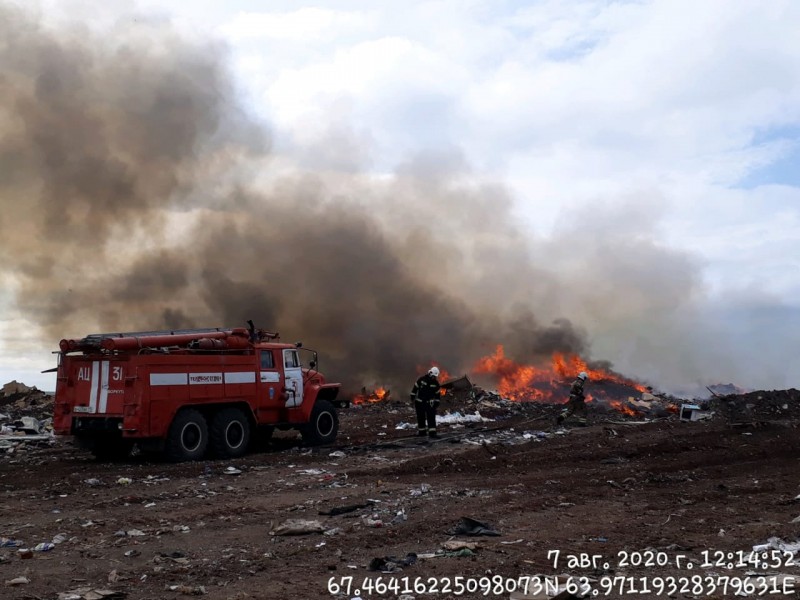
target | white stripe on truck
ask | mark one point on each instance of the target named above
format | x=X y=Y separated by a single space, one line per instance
x=95 y=385
x=240 y=377
x=169 y=379
x=104 y=387
x=202 y=378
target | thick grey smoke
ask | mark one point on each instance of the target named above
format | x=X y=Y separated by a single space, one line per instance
x=136 y=193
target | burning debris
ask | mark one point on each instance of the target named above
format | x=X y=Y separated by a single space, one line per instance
x=545 y=383
x=378 y=395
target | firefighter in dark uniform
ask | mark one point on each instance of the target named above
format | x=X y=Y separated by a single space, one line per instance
x=425 y=395
x=576 y=404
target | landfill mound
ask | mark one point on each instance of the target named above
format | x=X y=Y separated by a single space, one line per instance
x=26 y=417
x=759 y=406
x=18 y=400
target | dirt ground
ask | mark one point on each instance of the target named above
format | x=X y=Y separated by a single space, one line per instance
x=152 y=530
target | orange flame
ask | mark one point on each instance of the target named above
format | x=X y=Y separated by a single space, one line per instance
x=375 y=396
x=517 y=381
x=624 y=408
x=522 y=382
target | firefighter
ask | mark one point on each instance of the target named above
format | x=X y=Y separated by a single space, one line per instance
x=576 y=403
x=425 y=395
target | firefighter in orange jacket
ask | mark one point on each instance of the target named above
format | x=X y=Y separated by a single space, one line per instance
x=576 y=403
x=425 y=395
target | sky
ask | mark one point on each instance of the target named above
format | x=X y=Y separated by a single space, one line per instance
x=647 y=148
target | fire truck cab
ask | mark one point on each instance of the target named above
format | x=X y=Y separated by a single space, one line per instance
x=189 y=393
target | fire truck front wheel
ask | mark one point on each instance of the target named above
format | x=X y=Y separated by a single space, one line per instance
x=230 y=433
x=323 y=425
x=188 y=436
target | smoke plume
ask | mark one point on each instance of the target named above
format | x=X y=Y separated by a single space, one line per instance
x=136 y=192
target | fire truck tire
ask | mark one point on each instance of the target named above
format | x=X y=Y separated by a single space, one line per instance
x=230 y=433
x=323 y=425
x=188 y=437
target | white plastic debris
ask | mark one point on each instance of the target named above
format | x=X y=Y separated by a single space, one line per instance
x=775 y=543
x=457 y=417
x=298 y=527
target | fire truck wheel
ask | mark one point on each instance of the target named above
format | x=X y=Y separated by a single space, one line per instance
x=188 y=436
x=323 y=425
x=230 y=433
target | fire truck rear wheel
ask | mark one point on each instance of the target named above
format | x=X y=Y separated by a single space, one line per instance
x=323 y=425
x=188 y=436
x=230 y=433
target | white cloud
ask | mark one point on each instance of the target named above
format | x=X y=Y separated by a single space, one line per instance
x=309 y=24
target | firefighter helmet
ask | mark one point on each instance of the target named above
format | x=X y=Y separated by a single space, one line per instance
x=583 y=375
x=434 y=371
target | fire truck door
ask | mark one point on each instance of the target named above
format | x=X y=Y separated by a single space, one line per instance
x=270 y=378
x=294 y=378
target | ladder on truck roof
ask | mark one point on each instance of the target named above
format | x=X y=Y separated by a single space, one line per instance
x=98 y=337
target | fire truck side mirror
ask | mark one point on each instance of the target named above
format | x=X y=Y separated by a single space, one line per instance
x=298 y=344
x=312 y=364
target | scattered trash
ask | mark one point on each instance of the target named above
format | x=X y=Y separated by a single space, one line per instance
x=232 y=471
x=454 y=545
x=457 y=417
x=694 y=412
x=92 y=482
x=130 y=533
x=44 y=547
x=391 y=564
x=298 y=527
x=124 y=481
x=775 y=543
x=60 y=538
x=187 y=590
x=400 y=517
x=422 y=489
x=373 y=521
x=338 y=454
x=18 y=581
x=9 y=543
x=464 y=552
x=340 y=510
x=311 y=472
x=468 y=526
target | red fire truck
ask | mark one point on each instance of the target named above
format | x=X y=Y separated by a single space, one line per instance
x=189 y=393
